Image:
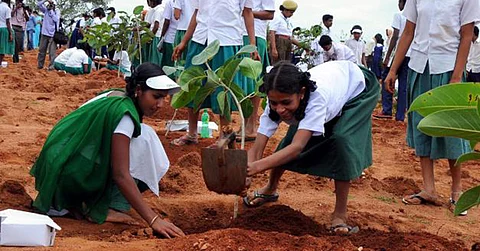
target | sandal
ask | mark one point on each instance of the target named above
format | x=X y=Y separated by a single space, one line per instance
x=343 y=228
x=266 y=198
x=418 y=199
x=186 y=139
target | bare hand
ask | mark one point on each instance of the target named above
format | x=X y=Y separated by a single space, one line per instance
x=255 y=56
x=274 y=54
x=455 y=80
x=390 y=82
x=385 y=62
x=252 y=169
x=177 y=51
x=10 y=38
x=167 y=229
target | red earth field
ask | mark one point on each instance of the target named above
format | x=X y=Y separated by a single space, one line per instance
x=33 y=100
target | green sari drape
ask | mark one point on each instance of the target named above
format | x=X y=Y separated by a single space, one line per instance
x=73 y=170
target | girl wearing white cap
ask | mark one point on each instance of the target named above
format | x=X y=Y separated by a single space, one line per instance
x=441 y=32
x=281 y=31
x=215 y=20
x=90 y=163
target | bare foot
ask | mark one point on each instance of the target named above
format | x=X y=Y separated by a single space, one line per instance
x=119 y=217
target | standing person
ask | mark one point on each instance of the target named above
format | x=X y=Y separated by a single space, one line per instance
x=473 y=62
x=96 y=160
x=335 y=51
x=183 y=13
x=329 y=111
x=114 y=22
x=327 y=23
x=50 y=23
x=7 y=44
x=38 y=30
x=263 y=10
x=281 y=33
x=77 y=33
x=316 y=49
x=19 y=20
x=357 y=45
x=442 y=33
x=377 y=56
x=220 y=20
x=30 y=30
x=398 y=25
x=169 y=30
x=156 y=27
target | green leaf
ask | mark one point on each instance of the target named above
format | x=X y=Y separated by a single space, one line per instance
x=182 y=99
x=221 y=102
x=191 y=76
x=478 y=105
x=237 y=91
x=247 y=49
x=213 y=78
x=138 y=10
x=169 y=70
x=251 y=68
x=230 y=70
x=202 y=94
x=469 y=199
x=460 y=123
x=207 y=54
x=451 y=96
x=468 y=157
x=473 y=143
x=247 y=108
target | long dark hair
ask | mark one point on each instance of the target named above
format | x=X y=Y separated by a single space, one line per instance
x=138 y=78
x=287 y=78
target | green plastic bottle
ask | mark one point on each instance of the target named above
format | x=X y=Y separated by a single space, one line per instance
x=204 y=131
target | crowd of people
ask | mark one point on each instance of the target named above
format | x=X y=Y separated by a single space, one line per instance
x=328 y=108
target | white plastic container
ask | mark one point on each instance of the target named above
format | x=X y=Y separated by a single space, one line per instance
x=4 y=64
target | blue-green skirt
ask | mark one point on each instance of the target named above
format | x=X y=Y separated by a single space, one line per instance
x=167 y=51
x=249 y=84
x=58 y=66
x=217 y=61
x=424 y=145
x=6 y=47
x=155 y=55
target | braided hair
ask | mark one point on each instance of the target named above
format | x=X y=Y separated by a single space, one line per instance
x=139 y=78
x=287 y=78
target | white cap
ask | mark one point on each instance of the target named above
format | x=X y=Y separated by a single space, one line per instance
x=357 y=31
x=163 y=82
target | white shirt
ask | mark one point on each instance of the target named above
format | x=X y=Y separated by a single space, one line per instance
x=186 y=6
x=473 y=62
x=158 y=17
x=63 y=57
x=149 y=17
x=339 y=52
x=337 y=83
x=261 y=25
x=168 y=14
x=220 y=20
x=125 y=61
x=281 y=25
x=96 y=21
x=369 y=47
x=77 y=59
x=437 y=31
x=5 y=13
x=317 y=58
x=399 y=22
x=358 y=48
x=115 y=20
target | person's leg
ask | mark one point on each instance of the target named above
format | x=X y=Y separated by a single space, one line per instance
x=18 y=44
x=1 y=57
x=456 y=172
x=402 y=90
x=42 y=52
x=387 y=98
x=251 y=123
x=52 y=52
x=428 y=176
x=339 y=215
x=192 y=136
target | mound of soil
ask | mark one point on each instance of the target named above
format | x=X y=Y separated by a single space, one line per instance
x=399 y=186
x=14 y=196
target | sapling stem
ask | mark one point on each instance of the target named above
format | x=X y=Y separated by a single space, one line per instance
x=171 y=121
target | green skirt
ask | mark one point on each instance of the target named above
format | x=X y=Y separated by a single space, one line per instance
x=217 y=61
x=345 y=149
x=155 y=55
x=178 y=38
x=6 y=46
x=59 y=66
x=249 y=84
x=79 y=70
x=167 y=52
x=424 y=145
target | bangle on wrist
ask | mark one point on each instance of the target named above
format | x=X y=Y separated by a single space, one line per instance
x=153 y=220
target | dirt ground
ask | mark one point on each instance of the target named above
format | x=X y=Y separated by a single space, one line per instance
x=33 y=100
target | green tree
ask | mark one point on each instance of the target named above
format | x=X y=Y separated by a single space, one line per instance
x=453 y=110
x=71 y=9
